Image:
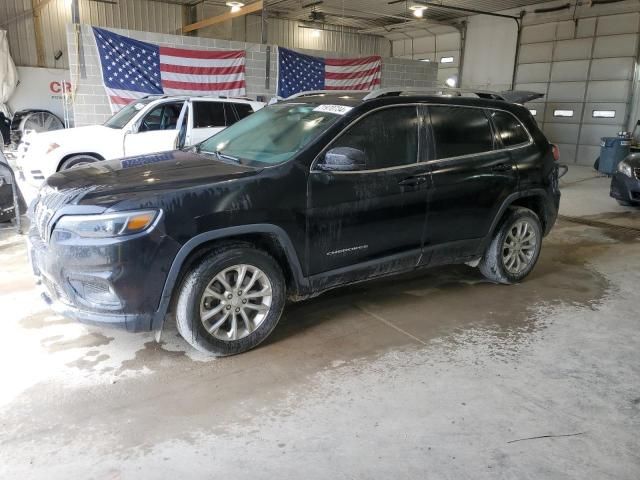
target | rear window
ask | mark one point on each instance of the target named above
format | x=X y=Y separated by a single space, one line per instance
x=208 y=115
x=509 y=128
x=460 y=131
x=242 y=109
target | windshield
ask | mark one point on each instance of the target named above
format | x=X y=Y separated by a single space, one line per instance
x=120 y=119
x=273 y=134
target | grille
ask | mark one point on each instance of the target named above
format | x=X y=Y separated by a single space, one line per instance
x=636 y=172
x=49 y=201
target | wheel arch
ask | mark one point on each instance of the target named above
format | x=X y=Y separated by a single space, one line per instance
x=270 y=238
x=95 y=155
x=535 y=200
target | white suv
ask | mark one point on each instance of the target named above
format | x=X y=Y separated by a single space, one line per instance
x=149 y=125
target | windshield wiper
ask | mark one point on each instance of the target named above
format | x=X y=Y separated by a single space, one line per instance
x=224 y=156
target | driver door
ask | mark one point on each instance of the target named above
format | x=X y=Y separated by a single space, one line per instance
x=158 y=130
x=370 y=221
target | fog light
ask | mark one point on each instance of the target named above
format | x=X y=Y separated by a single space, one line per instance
x=95 y=292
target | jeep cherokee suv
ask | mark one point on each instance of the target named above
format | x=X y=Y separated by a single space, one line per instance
x=311 y=193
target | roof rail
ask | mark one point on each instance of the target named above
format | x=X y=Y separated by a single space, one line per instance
x=325 y=92
x=397 y=91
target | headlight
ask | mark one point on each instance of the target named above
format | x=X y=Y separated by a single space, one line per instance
x=107 y=225
x=625 y=169
x=52 y=147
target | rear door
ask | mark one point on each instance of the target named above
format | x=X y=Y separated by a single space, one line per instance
x=472 y=176
x=376 y=214
x=208 y=118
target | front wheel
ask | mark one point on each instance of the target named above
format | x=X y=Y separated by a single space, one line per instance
x=77 y=161
x=231 y=301
x=514 y=248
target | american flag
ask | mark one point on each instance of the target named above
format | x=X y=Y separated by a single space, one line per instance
x=299 y=73
x=132 y=69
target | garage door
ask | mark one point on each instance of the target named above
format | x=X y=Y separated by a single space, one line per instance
x=585 y=69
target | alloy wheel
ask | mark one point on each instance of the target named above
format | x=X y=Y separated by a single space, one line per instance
x=519 y=247
x=236 y=302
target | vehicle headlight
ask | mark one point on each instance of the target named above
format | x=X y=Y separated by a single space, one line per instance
x=107 y=225
x=625 y=169
x=52 y=147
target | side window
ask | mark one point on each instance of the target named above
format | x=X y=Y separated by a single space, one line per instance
x=162 y=117
x=208 y=115
x=510 y=130
x=460 y=131
x=388 y=138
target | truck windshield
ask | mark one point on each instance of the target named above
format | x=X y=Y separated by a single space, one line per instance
x=273 y=134
x=121 y=118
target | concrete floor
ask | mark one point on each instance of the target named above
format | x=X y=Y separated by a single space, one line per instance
x=435 y=375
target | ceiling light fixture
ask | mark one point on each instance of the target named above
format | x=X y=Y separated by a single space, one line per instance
x=235 y=6
x=418 y=10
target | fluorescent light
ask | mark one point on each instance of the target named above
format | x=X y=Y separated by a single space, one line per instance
x=603 y=114
x=418 y=10
x=533 y=111
x=563 y=113
x=235 y=6
x=425 y=60
x=446 y=60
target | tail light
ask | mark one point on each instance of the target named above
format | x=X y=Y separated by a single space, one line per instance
x=556 y=152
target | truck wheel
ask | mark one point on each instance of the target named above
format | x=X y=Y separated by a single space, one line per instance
x=77 y=161
x=231 y=301
x=515 y=247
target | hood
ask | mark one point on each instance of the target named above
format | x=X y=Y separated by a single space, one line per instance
x=110 y=181
x=88 y=133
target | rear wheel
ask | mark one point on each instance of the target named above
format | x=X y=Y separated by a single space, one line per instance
x=515 y=247
x=77 y=161
x=231 y=301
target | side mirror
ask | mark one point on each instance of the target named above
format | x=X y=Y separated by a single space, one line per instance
x=343 y=159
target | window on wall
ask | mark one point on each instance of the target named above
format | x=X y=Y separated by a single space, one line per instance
x=446 y=60
x=603 y=114
x=509 y=129
x=389 y=137
x=534 y=112
x=563 y=113
x=460 y=131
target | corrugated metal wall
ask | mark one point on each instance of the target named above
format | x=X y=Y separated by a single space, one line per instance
x=289 y=34
x=16 y=17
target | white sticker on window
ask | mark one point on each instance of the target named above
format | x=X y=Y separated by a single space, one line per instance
x=337 y=109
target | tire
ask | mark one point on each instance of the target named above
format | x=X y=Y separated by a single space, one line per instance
x=624 y=203
x=77 y=161
x=192 y=301
x=496 y=265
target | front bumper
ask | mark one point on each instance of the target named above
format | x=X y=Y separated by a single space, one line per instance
x=125 y=275
x=624 y=188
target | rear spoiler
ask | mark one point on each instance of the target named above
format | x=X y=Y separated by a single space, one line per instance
x=520 y=96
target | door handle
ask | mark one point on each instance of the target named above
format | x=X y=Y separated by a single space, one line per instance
x=502 y=167
x=414 y=180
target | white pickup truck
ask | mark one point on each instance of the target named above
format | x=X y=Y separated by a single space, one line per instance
x=149 y=125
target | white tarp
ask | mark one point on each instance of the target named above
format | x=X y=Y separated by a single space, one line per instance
x=8 y=73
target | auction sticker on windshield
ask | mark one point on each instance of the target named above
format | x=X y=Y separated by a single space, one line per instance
x=337 y=109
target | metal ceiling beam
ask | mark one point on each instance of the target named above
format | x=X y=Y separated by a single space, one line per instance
x=207 y=22
x=472 y=11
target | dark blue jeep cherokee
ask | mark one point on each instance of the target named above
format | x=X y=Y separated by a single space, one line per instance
x=309 y=194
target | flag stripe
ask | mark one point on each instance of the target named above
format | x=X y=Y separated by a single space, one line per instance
x=201 y=62
x=359 y=86
x=194 y=70
x=217 y=87
x=201 y=54
x=202 y=79
x=352 y=68
x=350 y=75
x=343 y=62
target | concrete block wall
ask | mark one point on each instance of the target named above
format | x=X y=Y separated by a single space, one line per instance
x=91 y=106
